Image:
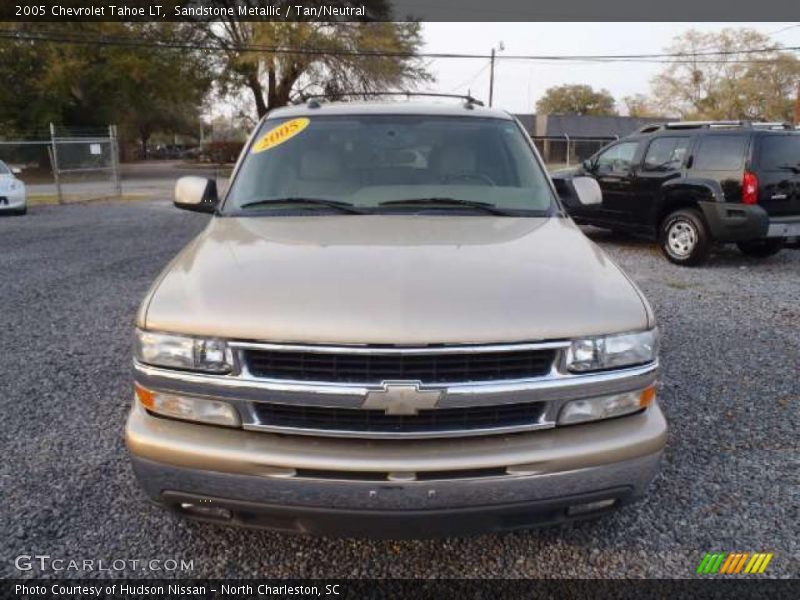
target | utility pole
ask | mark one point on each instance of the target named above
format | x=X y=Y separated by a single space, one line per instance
x=797 y=107
x=491 y=79
x=53 y=151
x=114 y=144
x=501 y=47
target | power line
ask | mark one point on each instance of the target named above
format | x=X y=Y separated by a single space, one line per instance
x=661 y=58
x=782 y=29
x=471 y=79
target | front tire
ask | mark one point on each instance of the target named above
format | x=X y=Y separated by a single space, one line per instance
x=761 y=248
x=15 y=212
x=684 y=237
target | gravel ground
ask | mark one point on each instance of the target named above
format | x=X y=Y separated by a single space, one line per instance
x=71 y=278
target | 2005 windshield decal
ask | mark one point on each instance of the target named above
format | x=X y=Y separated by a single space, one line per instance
x=280 y=134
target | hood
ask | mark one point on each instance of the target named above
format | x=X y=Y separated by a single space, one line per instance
x=393 y=280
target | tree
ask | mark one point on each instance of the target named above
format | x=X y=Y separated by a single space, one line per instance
x=639 y=105
x=735 y=84
x=142 y=89
x=577 y=100
x=336 y=57
x=25 y=106
x=159 y=90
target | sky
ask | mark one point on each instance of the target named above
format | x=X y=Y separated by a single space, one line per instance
x=518 y=85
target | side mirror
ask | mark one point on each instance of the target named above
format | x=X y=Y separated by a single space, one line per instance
x=577 y=191
x=197 y=194
x=16 y=170
x=588 y=191
x=588 y=165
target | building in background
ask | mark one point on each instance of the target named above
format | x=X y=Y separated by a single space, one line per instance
x=569 y=139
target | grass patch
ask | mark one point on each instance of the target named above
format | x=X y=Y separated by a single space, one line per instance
x=42 y=200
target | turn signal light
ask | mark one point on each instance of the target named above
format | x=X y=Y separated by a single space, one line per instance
x=188 y=408
x=145 y=396
x=647 y=397
x=605 y=407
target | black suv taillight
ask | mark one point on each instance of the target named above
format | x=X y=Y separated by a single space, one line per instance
x=750 y=188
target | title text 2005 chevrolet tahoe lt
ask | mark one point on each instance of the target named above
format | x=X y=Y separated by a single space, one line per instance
x=390 y=328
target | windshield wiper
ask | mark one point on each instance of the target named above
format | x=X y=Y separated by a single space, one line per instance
x=344 y=207
x=445 y=202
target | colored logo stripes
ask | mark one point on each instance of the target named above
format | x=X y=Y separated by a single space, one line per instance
x=734 y=562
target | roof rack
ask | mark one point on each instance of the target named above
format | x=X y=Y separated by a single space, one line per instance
x=773 y=125
x=651 y=128
x=714 y=125
x=468 y=100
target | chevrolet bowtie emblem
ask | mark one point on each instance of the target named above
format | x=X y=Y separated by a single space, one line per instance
x=402 y=398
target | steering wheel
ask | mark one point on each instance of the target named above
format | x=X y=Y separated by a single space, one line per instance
x=468 y=176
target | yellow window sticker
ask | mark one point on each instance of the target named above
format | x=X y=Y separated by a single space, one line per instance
x=281 y=133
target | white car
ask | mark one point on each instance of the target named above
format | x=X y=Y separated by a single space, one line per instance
x=13 y=197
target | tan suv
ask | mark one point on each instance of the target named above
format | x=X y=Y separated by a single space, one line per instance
x=390 y=328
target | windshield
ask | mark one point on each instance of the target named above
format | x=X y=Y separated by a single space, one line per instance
x=391 y=164
x=4 y=170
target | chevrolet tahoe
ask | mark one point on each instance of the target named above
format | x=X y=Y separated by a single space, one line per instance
x=391 y=328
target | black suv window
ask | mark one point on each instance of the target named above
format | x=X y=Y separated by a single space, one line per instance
x=779 y=152
x=721 y=153
x=666 y=153
x=617 y=158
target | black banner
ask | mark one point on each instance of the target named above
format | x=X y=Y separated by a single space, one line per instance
x=510 y=589
x=395 y=10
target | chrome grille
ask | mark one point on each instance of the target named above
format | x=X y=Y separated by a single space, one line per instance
x=376 y=367
x=428 y=421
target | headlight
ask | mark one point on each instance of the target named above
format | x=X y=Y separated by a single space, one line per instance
x=611 y=351
x=182 y=352
x=188 y=408
x=605 y=407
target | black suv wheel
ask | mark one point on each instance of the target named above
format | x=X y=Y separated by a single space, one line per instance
x=16 y=212
x=684 y=237
x=761 y=248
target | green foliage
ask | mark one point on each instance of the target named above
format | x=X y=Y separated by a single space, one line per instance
x=737 y=85
x=576 y=100
x=156 y=89
x=141 y=89
x=274 y=79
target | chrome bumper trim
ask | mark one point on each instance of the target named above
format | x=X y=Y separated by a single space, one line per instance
x=554 y=389
x=388 y=435
x=554 y=386
x=410 y=350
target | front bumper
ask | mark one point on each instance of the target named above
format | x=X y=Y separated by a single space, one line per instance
x=356 y=487
x=13 y=200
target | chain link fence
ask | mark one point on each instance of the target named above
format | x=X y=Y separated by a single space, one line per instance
x=559 y=152
x=86 y=163
x=66 y=164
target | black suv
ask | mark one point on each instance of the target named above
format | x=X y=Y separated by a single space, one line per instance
x=690 y=184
